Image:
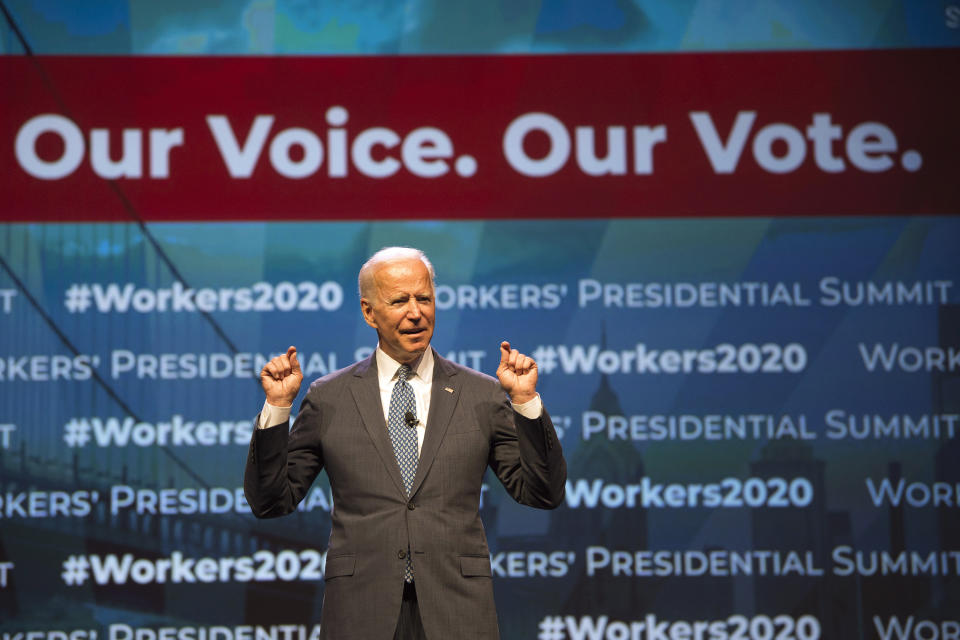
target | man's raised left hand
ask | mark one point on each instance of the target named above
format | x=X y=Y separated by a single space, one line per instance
x=517 y=374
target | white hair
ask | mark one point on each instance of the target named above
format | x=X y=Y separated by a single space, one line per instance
x=389 y=254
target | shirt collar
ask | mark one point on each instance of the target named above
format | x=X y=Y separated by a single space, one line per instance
x=421 y=368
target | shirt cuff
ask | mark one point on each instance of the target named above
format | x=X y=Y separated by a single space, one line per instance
x=271 y=416
x=531 y=409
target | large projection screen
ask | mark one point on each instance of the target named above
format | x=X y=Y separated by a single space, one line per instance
x=727 y=233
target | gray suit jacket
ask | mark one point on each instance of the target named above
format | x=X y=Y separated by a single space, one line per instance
x=341 y=428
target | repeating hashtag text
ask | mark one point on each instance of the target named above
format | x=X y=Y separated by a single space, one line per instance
x=262 y=566
x=123 y=432
x=735 y=627
x=641 y=359
x=177 y=298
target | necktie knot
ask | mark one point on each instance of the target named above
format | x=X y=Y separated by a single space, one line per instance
x=403 y=373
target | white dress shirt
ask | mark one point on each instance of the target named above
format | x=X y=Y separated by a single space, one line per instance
x=421 y=380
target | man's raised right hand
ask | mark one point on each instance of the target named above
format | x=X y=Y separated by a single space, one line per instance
x=281 y=378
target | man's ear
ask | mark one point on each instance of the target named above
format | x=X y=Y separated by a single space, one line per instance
x=367 y=310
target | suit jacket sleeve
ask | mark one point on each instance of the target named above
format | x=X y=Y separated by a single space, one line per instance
x=526 y=456
x=282 y=464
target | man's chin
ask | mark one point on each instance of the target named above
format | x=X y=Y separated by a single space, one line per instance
x=417 y=347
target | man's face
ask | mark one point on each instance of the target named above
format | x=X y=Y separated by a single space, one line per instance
x=402 y=308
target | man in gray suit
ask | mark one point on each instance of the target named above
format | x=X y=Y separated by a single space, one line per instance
x=405 y=437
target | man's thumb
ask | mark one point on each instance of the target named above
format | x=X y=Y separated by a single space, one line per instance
x=292 y=355
x=504 y=351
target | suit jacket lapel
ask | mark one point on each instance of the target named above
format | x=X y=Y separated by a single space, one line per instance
x=442 y=404
x=366 y=393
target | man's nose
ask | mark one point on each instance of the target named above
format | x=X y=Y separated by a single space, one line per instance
x=413 y=309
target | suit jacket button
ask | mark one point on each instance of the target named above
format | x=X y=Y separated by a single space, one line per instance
x=401 y=554
x=411 y=506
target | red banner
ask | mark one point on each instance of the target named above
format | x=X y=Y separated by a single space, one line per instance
x=723 y=134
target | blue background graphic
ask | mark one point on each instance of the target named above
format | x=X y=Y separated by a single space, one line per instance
x=553 y=259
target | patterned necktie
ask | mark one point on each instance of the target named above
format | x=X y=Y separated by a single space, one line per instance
x=404 y=437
